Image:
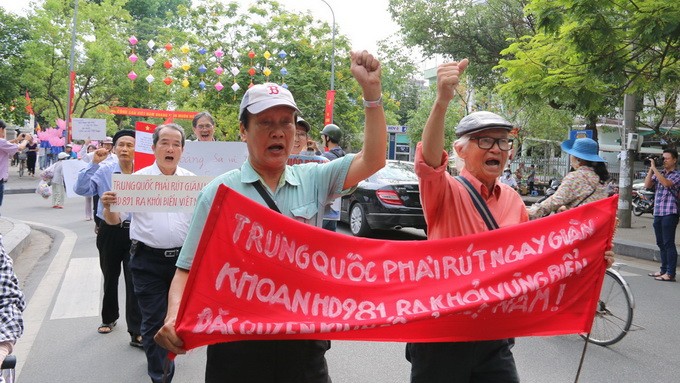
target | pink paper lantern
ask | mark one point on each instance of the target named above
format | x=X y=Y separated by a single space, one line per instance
x=132 y=75
x=219 y=70
x=219 y=86
x=133 y=40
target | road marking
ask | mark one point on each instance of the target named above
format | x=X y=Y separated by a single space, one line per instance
x=36 y=308
x=80 y=290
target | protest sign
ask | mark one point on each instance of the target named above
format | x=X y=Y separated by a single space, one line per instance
x=145 y=193
x=89 y=128
x=71 y=168
x=263 y=276
x=213 y=158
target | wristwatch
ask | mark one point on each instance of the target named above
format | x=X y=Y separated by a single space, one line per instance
x=373 y=104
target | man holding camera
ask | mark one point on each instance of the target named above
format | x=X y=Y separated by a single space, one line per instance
x=667 y=184
x=7 y=150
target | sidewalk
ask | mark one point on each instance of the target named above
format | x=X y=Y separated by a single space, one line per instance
x=638 y=241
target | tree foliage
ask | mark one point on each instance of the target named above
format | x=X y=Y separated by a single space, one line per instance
x=13 y=36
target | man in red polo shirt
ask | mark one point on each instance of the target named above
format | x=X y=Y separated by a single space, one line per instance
x=484 y=145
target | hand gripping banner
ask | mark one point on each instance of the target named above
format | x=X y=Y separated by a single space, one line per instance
x=260 y=275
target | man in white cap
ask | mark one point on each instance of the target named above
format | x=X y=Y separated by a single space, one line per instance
x=268 y=124
x=106 y=144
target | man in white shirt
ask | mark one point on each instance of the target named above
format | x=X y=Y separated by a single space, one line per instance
x=157 y=238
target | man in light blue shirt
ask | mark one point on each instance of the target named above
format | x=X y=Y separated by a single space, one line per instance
x=268 y=115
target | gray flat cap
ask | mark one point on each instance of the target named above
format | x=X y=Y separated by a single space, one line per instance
x=477 y=121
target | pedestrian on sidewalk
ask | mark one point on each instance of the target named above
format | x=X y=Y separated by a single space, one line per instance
x=113 y=241
x=7 y=150
x=58 y=184
x=667 y=186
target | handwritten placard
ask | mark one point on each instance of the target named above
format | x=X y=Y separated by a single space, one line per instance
x=142 y=193
x=92 y=128
x=71 y=168
x=213 y=158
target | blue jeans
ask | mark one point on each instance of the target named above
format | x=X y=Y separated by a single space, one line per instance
x=2 y=190
x=664 y=229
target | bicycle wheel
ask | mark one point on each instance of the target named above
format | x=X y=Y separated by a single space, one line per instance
x=614 y=313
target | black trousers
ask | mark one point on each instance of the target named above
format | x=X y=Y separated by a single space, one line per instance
x=153 y=274
x=277 y=361
x=113 y=243
x=462 y=362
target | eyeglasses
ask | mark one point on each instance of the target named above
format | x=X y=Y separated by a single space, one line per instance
x=204 y=127
x=487 y=143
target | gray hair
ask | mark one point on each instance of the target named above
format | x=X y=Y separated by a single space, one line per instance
x=198 y=116
x=157 y=132
x=462 y=141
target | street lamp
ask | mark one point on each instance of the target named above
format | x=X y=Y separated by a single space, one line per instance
x=333 y=53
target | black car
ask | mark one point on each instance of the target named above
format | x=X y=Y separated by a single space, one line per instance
x=388 y=199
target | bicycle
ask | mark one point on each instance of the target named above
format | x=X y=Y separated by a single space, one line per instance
x=614 y=312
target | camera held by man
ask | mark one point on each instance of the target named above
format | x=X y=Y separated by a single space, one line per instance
x=658 y=161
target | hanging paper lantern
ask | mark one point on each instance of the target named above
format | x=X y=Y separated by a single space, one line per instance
x=167 y=64
x=235 y=87
x=133 y=40
x=284 y=72
x=184 y=49
x=132 y=75
x=167 y=81
x=201 y=84
x=168 y=47
x=234 y=71
x=185 y=66
x=150 y=61
x=251 y=54
x=151 y=44
x=219 y=70
x=282 y=54
x=202 y=50
x=267 y=55
x=219 y=86
x=219 y=53
x=150 y=79
x=284 y=85
x=185 y=83
x=133 y=58
x=251 y=71
x=267 y=72
x=202 y=68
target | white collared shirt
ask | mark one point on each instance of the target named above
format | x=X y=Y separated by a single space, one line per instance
x=160 y=230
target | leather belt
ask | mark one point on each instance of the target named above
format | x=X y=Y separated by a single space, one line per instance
x=168 y=253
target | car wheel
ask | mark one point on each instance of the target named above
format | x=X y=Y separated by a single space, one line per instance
x=357 y=221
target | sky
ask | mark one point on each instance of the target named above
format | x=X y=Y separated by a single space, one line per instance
x=365 y=22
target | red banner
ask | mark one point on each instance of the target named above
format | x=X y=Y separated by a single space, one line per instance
x=330 y=102
x=29 y=105
x=165 y=114
x=260 y=275
x=143 y=140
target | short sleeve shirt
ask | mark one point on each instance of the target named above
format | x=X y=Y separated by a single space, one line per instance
x=665 y=199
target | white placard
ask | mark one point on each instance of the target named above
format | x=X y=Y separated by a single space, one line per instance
x=142 y=193
x=92 y=128
x=213 y=158
x=71 y=168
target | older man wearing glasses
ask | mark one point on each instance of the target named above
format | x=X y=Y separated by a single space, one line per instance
x=204 y=127
x=484 y=145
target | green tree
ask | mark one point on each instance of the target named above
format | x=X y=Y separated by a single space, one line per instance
x=13 y=36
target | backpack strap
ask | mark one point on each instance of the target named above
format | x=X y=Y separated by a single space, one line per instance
x=267 y=198
x=479 y=203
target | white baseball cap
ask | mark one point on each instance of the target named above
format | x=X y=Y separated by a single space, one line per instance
x=261 y=97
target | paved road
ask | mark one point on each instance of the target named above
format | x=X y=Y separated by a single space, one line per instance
x=62 y=282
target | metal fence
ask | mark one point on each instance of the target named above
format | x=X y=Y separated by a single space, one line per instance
x=545 y=169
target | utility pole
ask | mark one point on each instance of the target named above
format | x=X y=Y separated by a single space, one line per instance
x=626 y=163
x=71 y=74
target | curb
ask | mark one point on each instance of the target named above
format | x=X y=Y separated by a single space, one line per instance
x=638 y=250
x=16 y=239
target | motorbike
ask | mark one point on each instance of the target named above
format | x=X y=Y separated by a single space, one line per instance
x=643 y=202
x=554 y=184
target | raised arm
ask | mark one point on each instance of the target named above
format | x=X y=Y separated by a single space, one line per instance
x=433 y=133
x=366 y=70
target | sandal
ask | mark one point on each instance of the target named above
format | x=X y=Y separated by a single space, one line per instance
x=665 y=278
x=136 y=340
x=106 y=328
x=656 y=274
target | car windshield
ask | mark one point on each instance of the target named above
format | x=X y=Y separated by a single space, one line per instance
x=397 y=172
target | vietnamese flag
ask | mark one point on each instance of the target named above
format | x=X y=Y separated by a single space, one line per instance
x=259 y=275
x=143 y=141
